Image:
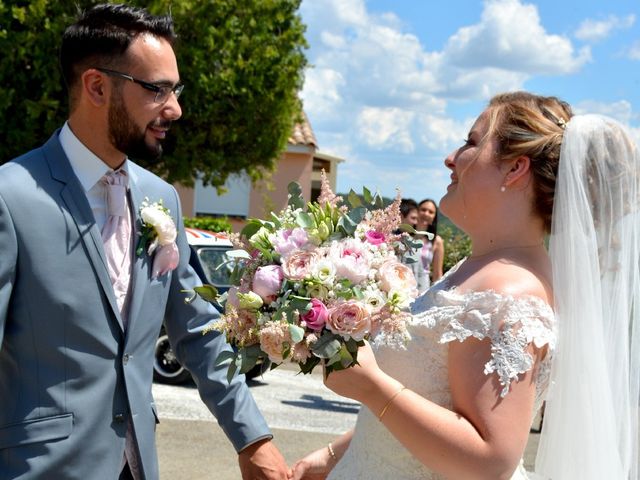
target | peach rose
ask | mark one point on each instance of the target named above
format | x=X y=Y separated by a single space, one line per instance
x=350 y=319
x=299 y=265
x=393 y=275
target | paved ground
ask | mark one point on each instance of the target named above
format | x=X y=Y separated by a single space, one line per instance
x=302 y=413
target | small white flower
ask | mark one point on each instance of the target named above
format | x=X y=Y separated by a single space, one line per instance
x=325 y=271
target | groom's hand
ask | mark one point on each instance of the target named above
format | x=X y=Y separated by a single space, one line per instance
x=262 y=461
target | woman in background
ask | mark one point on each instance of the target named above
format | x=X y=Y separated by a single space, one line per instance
x=412 y=259
x=432 y=253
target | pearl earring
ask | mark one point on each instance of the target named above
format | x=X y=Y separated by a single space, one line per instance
x=503 y=189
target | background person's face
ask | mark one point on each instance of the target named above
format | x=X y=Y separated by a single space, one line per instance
x=411 y=218
x=427 y=213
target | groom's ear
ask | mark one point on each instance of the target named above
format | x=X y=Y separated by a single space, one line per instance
x=518 y=172
x=94 y=87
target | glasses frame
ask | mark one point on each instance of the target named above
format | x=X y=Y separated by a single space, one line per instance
x=162 y=91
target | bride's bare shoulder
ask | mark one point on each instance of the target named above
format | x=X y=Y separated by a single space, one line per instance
x=514 y=279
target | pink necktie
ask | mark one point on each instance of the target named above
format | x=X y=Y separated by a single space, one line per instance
x=116 y=236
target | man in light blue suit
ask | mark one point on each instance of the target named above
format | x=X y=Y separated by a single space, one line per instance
x=76 y=365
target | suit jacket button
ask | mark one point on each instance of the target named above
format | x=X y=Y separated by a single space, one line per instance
x=125 y=358
x=119 y=418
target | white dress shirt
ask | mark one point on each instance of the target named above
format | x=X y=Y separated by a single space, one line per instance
x=89 y=169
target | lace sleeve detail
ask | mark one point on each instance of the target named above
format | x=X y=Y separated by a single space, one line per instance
x=511 y=323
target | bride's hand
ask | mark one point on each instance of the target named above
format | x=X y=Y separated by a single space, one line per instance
x=315 y=466
x=355 y=382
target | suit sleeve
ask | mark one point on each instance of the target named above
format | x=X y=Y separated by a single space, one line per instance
x=8 y=259
x=232 y=404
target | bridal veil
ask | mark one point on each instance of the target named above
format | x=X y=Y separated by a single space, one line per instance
x=590 y=428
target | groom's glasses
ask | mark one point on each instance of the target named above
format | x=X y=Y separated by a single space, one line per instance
x=162 y=91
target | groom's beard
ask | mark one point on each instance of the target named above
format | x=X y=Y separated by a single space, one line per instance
x=127 y=137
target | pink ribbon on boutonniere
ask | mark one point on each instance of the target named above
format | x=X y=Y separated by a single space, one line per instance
x=165 y=260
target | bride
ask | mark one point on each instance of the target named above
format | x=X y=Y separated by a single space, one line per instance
x=486 y=346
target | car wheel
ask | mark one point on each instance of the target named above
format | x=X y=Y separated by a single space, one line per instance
x=166 y=368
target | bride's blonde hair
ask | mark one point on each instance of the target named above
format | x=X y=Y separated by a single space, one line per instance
x=529 y=125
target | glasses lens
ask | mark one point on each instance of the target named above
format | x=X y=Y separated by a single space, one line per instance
x=163 y=93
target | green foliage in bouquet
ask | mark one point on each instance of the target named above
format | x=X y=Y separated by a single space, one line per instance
x=315 y=281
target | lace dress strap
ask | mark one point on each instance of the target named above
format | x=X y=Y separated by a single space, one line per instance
x=511 y=323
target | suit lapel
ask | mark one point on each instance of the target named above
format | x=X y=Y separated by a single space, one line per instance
x=140 y=263
x=75 y=199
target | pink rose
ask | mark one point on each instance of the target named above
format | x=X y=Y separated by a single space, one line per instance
x=288 y=241
x=374 y=238
x=351 y=260
x=317 y=316
x=349 y=319
x=299 y=264
x=393 y=275
x=267 y=282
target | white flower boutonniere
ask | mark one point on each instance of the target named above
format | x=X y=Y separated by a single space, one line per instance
x=158 y=233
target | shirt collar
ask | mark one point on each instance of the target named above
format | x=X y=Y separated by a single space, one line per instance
x=85 y=164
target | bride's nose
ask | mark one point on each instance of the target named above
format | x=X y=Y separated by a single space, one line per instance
x=449 y=162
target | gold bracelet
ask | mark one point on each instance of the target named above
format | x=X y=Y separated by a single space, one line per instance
x=393 y=397
x=331 y=452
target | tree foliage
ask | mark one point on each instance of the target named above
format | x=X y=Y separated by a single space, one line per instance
x=242 y=62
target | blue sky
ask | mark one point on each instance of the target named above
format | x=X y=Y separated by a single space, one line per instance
x=395 y=85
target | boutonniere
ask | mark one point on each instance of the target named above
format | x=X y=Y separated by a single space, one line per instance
x=158 y=236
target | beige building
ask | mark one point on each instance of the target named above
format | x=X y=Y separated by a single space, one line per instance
x=300 y=162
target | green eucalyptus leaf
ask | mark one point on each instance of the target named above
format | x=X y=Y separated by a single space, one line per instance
x=354 y=199
x=238 y=253
x=296 y=332
x=207 y=292
x=326 y=346
x=305 y=220
x=405 y=227
x=224 y=357
x=366 y=193
x=250 y=229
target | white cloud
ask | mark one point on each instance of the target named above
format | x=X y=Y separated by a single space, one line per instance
x=511 y=37
x=443 y=133
x=593 y=30
x=634 y=51
x=376 y=90
x=386 y=128
x=620 y=110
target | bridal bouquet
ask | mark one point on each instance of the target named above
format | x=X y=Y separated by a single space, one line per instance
x=314 y=281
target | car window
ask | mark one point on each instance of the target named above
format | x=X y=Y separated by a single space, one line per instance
x=212 y=260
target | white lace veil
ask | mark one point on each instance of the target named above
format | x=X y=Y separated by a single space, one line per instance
x=591 y=419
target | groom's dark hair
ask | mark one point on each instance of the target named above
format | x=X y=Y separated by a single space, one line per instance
x=101 y=36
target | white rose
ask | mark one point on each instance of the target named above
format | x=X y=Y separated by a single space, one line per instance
x=161 y=222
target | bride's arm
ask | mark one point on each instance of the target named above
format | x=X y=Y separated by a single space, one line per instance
x=319 y=463
x=482 y=437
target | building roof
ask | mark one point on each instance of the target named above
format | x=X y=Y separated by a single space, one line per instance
x=303 y=133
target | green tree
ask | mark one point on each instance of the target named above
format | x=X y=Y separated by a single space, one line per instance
x=242 y=62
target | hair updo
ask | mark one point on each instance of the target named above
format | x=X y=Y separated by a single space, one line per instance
x=530 y=125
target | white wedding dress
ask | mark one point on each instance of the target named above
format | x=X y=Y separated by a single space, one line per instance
x=440 y=316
